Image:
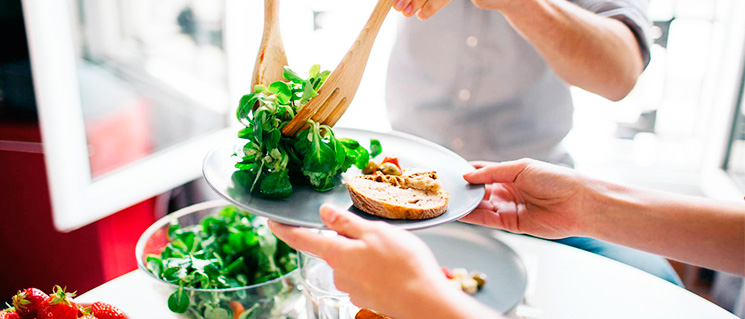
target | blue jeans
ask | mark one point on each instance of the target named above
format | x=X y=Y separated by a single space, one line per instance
x=650 y=263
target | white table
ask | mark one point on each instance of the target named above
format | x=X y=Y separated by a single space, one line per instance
x=563 y=282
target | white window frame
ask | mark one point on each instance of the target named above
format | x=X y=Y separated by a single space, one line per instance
x=716 y=182
x=77 y=199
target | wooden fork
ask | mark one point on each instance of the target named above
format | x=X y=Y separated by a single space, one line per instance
x=340 y=87
x=271 y=60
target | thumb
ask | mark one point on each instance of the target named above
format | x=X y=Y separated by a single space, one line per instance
x=343 y=222
x=504 y=172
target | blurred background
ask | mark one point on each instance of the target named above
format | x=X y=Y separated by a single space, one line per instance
x=149 y=77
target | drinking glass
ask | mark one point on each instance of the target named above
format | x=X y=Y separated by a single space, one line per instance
x=323 y=300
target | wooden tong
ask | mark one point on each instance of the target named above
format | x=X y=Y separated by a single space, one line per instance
x=340 y=87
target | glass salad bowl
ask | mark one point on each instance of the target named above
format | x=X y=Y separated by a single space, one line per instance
x=252 y=294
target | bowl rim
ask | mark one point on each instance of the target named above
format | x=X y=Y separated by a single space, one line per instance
x=140 y=247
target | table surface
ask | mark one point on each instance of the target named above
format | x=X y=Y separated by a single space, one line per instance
x=563 y=282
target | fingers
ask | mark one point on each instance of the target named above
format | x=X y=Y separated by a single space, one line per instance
x=400 y=5
x=484 y=217
x=504 y=172
x=430 y=8
x=413 y=7
x=308 y=240
x=344 y=222
x=480 y=164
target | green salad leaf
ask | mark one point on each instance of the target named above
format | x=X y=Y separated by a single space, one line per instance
x=269 y=163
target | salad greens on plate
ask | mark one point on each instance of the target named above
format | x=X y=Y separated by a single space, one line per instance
x=269 y=163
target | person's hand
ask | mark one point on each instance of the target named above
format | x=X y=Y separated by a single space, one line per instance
x=528 y=196
x=381 y=267
x=422 y=8
x=427 y=8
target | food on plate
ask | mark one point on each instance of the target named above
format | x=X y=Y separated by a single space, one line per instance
x=413 y=195
x=369 y=314
x=389 y=166
x=229 y=250
x=270 y=163
x=470 y=283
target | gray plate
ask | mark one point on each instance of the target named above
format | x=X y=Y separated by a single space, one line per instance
x=301 y=208
x=458 y=245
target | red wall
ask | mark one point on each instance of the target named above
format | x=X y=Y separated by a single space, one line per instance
x=32 y=252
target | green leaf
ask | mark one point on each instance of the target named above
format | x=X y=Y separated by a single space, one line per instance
x=216 y=313
x=282 y=91
x=276 y=185
x=249 y=313
x=290 y=75
x=375 y=148
x=260 y=89
x=178 y=302
x=154 y=264
x=349 y=143
x=246 y=132
x=314 y=70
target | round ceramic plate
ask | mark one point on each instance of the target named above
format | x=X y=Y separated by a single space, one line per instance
x=458 y=245
x=301 y=208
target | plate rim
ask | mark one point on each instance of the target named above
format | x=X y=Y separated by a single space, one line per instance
x=405 y=226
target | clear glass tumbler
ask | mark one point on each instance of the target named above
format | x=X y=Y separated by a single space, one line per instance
x=324 y=301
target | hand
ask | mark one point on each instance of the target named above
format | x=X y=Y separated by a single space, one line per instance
x=381 y=267
x=528 y=196
x=427 y=8
x=422 y=8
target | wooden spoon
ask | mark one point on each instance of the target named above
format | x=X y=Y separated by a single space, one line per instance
x=340 y=87
x=271 y=60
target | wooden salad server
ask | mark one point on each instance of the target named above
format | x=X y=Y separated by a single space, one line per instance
x=271 y=60
x=340 y=87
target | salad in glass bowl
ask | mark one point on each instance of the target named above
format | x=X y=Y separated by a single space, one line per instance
x=215 y=261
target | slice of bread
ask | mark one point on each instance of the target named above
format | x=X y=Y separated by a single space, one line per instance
x=395 y=197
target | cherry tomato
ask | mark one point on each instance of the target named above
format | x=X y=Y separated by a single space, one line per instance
x=392 y=160
x=447 y=273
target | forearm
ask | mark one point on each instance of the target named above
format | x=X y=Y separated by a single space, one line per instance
x=596 y=53
x=695 y=230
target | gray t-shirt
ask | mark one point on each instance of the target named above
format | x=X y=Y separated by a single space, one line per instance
x=467 y=80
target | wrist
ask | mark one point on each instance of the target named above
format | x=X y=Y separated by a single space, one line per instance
x=607 y=202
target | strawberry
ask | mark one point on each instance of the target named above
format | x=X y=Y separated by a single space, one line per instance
x=9 y=314
x=106 y=311
x=58 y=305
x=27 y=302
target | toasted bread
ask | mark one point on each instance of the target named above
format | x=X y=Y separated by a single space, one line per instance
x=415 y=196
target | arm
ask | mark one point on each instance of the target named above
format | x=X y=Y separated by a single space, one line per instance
x=691 y=229
x=383 y=268
x=532 y=197
x=596 y=53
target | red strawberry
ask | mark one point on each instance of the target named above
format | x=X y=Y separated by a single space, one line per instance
x=9 y=314
x=106 y=311
x=59 y=305
x=27 y=302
